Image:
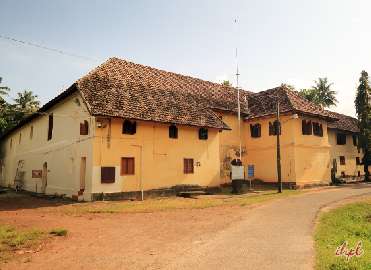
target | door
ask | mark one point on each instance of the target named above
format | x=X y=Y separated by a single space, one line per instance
x=44 y=177
x=82 y=173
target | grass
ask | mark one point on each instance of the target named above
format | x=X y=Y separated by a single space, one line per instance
x=351 y=223
x=58 y=232
x=172 y=203
x=12 y=239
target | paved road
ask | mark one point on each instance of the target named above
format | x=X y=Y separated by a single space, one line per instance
x=277 y=235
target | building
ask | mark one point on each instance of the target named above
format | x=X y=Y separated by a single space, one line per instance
x=126 y=127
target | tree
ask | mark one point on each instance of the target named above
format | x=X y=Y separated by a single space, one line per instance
x=226 y=83
x=27 y=102
x=363 y=110
x=320 y=93
x=3 y=90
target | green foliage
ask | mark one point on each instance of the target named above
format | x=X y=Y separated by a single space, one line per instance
x=226 y=83
x=11 y=114
x=320 y=94
x=363 y=109
x=351 y=223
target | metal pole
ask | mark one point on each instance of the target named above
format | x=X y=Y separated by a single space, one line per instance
x=278 y=129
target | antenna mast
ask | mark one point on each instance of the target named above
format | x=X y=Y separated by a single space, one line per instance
x=238 y=100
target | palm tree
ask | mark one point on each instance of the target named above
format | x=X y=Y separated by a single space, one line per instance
x=27 y=102
x=325 y=96
x=3 y=90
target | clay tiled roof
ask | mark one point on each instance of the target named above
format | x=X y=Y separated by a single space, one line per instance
x=345 y=123
x=264 y=103
x=125 y=89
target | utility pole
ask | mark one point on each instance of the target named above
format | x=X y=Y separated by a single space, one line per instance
x=278 y=131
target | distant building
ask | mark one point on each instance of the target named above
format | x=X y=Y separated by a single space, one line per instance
x=126 y=127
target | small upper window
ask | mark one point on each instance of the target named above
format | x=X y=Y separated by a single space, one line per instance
x=173 y=132
x=273 y=127
x=342 y=160
x=358 y=161
x=341 y=138
x=50 y=127
x=306 y=127
x=31 y=132
x=317 y=129
x=354 y=140
x=203 y=134
x=84 y=128
x=129 y=127
x=255 y=130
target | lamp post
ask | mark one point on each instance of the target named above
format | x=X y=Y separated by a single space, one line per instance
x=278 y=131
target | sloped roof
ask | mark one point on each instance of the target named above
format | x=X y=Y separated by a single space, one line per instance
x=344 y=123
x=264 y=103
x=125 y=89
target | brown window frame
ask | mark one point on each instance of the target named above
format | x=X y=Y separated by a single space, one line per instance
x=306 y=127
x=203 y=134
x=107 y=175
x=127 y=166
x=188 y=165
x=317 y=129
x=255 y=130
x=173 y=132
x=50 y=126
x=273 y=128
x=341 y=139
x=84 y=128
x=342 y=160
x=129 y=127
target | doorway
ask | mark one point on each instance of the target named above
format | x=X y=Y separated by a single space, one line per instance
x=82 y=173
x=44 y=177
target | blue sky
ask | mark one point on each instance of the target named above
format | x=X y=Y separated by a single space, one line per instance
x=288 y=41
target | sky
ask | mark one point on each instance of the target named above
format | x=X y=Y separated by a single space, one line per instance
x=287 y=41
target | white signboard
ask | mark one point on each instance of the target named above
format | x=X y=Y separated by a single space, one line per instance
x=237 y=172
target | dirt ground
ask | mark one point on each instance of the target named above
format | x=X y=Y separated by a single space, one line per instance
x=111 y=241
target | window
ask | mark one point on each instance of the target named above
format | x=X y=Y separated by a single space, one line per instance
x=129 y=127
x=107 y=175
x=50 y=127
x=354 y=140
x=173 y=132
x=188 y=166
x=343 y=174
x=359 y=173
x=273 y=128
x=127 y=166
x=342 y=160
x=317 y=129
x=84 y=128
x=358 y=161
x=306 y=127
x=203 y=134
x=255 y=130
x=341 y=139
x=31 y=132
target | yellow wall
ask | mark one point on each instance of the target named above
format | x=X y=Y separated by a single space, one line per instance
x=304 y=158
x=62 y=153
x=158 y=158
x=229 y=144
x=349 y=151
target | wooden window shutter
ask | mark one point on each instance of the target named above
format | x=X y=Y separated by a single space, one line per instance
x=107 y=174
x=188 y=166
x=50 y=127
x=127 y=166
x=84 y=128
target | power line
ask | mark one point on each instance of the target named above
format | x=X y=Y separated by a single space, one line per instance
x=47 y=48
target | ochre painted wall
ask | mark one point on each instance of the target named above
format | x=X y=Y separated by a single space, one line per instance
x=349 y=151
x=62 y=153
x=158 y=158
